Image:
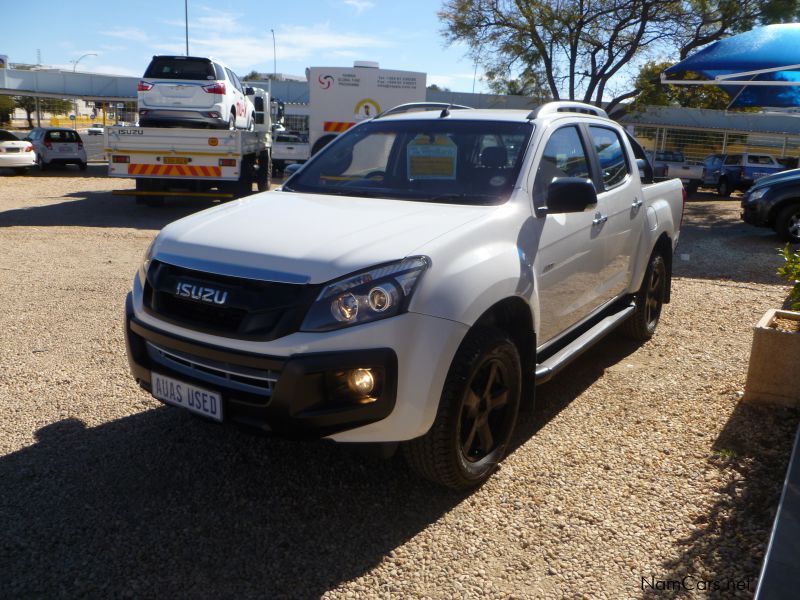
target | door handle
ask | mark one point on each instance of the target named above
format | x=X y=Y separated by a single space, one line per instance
x=637 y=203
x=599 y=219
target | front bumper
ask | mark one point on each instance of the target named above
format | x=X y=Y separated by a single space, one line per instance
x=298 y=396
x=752 y=213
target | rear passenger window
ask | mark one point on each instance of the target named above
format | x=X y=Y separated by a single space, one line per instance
x=611 y=153
x=564 y=156
x=759 y=160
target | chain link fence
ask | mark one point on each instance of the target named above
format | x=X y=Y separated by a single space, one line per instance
x=698 y=144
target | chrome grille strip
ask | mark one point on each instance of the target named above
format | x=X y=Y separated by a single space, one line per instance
x=245 y=378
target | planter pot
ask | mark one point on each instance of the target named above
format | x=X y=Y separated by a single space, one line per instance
x=773 y=376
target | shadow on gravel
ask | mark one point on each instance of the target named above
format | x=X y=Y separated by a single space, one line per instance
x=555 y=395
x=163 y=505
x=102 y=209
x=720 y=246
x=753 y=450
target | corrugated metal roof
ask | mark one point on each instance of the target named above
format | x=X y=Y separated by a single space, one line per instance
x=720 y=120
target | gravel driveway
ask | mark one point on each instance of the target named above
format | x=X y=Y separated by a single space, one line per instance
x=637 y=466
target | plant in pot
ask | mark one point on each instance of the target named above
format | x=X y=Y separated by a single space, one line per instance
x=773 y=375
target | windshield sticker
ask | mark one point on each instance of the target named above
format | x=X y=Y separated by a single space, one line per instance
x=430 y=157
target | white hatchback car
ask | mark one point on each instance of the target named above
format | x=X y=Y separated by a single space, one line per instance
x=56 y=146
x=188 y=91
x=15 y=153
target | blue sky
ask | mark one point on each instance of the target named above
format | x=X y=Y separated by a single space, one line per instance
x=399 y=34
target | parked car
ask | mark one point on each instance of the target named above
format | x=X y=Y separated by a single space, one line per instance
x=56 y=146
x=774 y=201
x=411 y=283
x=730 y=172
x=673 y=165
x=95 y=129
x=15 y=153
x=189 y=91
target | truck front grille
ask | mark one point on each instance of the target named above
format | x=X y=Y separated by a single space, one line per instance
x=231 y=306
x=246 y=379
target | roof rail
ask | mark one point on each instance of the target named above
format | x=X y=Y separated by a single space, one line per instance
x=566 y=106
x=413 y=106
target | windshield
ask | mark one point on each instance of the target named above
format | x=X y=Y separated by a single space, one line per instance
x=447 y=160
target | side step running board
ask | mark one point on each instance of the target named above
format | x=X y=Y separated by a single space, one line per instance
x=546 y=370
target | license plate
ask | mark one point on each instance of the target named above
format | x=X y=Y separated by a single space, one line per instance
x=12 y=150
x=179 y=393
x=176 y=160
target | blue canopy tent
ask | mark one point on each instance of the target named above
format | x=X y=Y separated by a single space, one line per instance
x=757 y=68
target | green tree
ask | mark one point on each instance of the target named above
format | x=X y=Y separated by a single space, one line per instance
x=6 y=108
x=580 y=48
x=253 y=76
x=28 y=104
x=651 y=92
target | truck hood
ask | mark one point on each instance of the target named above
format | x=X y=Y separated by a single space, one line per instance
x=305 y=238
x=790 y=176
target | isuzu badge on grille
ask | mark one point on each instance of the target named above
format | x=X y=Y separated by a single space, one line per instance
x=201 y=293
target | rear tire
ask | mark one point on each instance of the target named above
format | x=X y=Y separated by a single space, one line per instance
x=723 y=188
x=43 y=166
x=477 y=413
x=641 y=325
x=82 y=166
x=787 y=224
x=264 y=171
x=232 y=122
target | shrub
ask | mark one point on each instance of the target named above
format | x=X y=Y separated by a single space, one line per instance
x=791 y=273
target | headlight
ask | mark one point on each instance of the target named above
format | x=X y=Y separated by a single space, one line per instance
x=756 y=195
x=378 y=293
x=146 y=260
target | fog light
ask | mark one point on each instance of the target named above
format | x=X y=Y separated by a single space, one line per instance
x=361 y=381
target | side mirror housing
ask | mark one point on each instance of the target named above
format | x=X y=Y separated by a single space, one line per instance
x=569 y=195
x=248 y=91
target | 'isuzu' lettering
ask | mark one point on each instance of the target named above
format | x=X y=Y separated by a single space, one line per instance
x=200 y=293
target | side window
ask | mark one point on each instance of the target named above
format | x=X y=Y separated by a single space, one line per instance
x=234 y=80
x=611 y=153
x=564 y=156
x=733 y=159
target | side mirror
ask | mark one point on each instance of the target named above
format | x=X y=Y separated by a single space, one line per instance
x=248 y=91
x=569 y=195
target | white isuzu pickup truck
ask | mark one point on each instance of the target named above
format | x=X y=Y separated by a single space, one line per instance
x=411 y=283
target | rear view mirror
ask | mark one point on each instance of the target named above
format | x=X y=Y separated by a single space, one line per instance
x=569 y=195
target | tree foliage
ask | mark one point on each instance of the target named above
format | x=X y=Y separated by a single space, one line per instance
x=6 y=108
x=579 y=49
x=651 y=92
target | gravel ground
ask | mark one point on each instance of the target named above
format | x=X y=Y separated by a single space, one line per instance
x=637 y=462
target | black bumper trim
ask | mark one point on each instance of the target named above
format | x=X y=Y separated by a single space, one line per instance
x=305 y=403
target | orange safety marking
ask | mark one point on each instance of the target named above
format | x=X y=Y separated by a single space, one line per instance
x=182 y=170
x=336 y=126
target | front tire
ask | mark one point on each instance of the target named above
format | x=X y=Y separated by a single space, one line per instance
x=787 y=224
x=641 y=325
x=477 y=413
x=723 y=188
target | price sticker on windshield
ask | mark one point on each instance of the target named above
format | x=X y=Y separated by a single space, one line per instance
x=431 y=157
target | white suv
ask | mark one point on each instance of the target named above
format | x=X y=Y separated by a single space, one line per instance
x=187 y=91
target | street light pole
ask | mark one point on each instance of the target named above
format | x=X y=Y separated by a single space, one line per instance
x=274 y=57
x=75 y=66
x=186 y=15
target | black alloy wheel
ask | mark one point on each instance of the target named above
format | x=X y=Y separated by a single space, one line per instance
x=486 y=416
x=477 y=413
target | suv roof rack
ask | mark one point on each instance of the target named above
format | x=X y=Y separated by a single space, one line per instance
x=566 y=106
x=412 y=106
